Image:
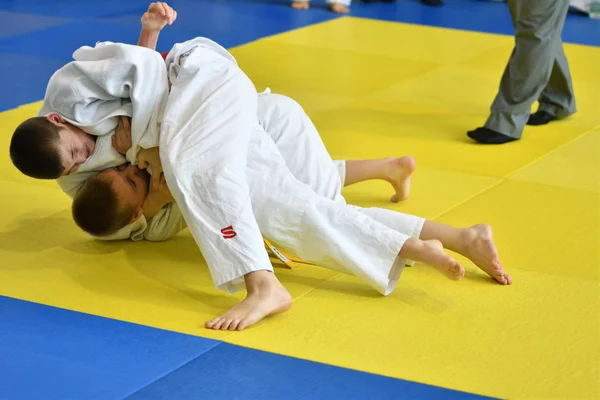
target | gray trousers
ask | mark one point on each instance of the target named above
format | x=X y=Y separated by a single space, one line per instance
x=537 y=69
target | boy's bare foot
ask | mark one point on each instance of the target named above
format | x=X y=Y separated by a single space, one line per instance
x=398 y=172
x=434 y=255
x=431 y=252
x=266 y=296
x=301 y=5
x=339 y=8
x=480 y=248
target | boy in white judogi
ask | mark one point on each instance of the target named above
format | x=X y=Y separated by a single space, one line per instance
x=312 y=220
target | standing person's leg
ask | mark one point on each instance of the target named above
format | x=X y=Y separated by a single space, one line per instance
x=538 y=29
x=557 y=100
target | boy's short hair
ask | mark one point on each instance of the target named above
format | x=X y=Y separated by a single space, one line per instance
x=97 y=210
x=34 y=149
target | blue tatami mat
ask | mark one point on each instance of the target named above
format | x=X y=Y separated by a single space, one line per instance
x=48 y=353
x=70 y=355
x=232 y=372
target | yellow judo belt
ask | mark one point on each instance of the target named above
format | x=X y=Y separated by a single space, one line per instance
x=285 y=258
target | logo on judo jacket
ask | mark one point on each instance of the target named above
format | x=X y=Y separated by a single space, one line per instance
x=228 y=233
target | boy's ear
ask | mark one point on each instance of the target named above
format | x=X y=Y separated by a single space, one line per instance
x=57 y=119
x=137 y=214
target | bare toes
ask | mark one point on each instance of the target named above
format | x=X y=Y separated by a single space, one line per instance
x=457 y=271
x=300 y=5
x=219 y=324
x=210 y=324
x=226 y=324
x=242 y=325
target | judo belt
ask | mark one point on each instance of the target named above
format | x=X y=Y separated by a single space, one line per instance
x=285 y=258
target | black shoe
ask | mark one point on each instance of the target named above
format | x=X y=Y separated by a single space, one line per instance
x=540 y=118
x=488 y=136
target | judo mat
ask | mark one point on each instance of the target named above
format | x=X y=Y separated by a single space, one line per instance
x=81 y=319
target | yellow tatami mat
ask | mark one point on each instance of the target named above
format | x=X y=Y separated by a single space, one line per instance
x=373 y=90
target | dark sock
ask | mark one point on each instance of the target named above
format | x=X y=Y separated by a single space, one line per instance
x=540 y=118
x=435 y=3
x=488 y=136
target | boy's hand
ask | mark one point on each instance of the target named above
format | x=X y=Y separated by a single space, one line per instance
x=157 y=16
x=151 y=157
x=157 y=199
x=163 y=192
x=121 y=140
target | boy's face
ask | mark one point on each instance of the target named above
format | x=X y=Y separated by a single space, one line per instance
x=129 y=183
x=75 y=146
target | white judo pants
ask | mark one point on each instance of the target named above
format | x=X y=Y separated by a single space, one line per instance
x=206 y=128
x=296 y=195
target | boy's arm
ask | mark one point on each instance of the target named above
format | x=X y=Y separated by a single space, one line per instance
x=157 y=199
x=121 y=140
x=163 y=216
x=148 y=159
x=153 y=21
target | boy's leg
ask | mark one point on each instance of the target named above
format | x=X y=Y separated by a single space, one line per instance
x=265 y=296
x=205 y=132
x=300 y=144
x=367 y=243
x=476 y=242
x=318 y=229
x=307 y=158
x=328 y=233
x=397 y=171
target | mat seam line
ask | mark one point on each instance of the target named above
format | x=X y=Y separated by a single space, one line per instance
x=507 y=177
x=333 y=18
x=565 y=144
x=318 y=286
x=295 y=299
x=220 y=342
